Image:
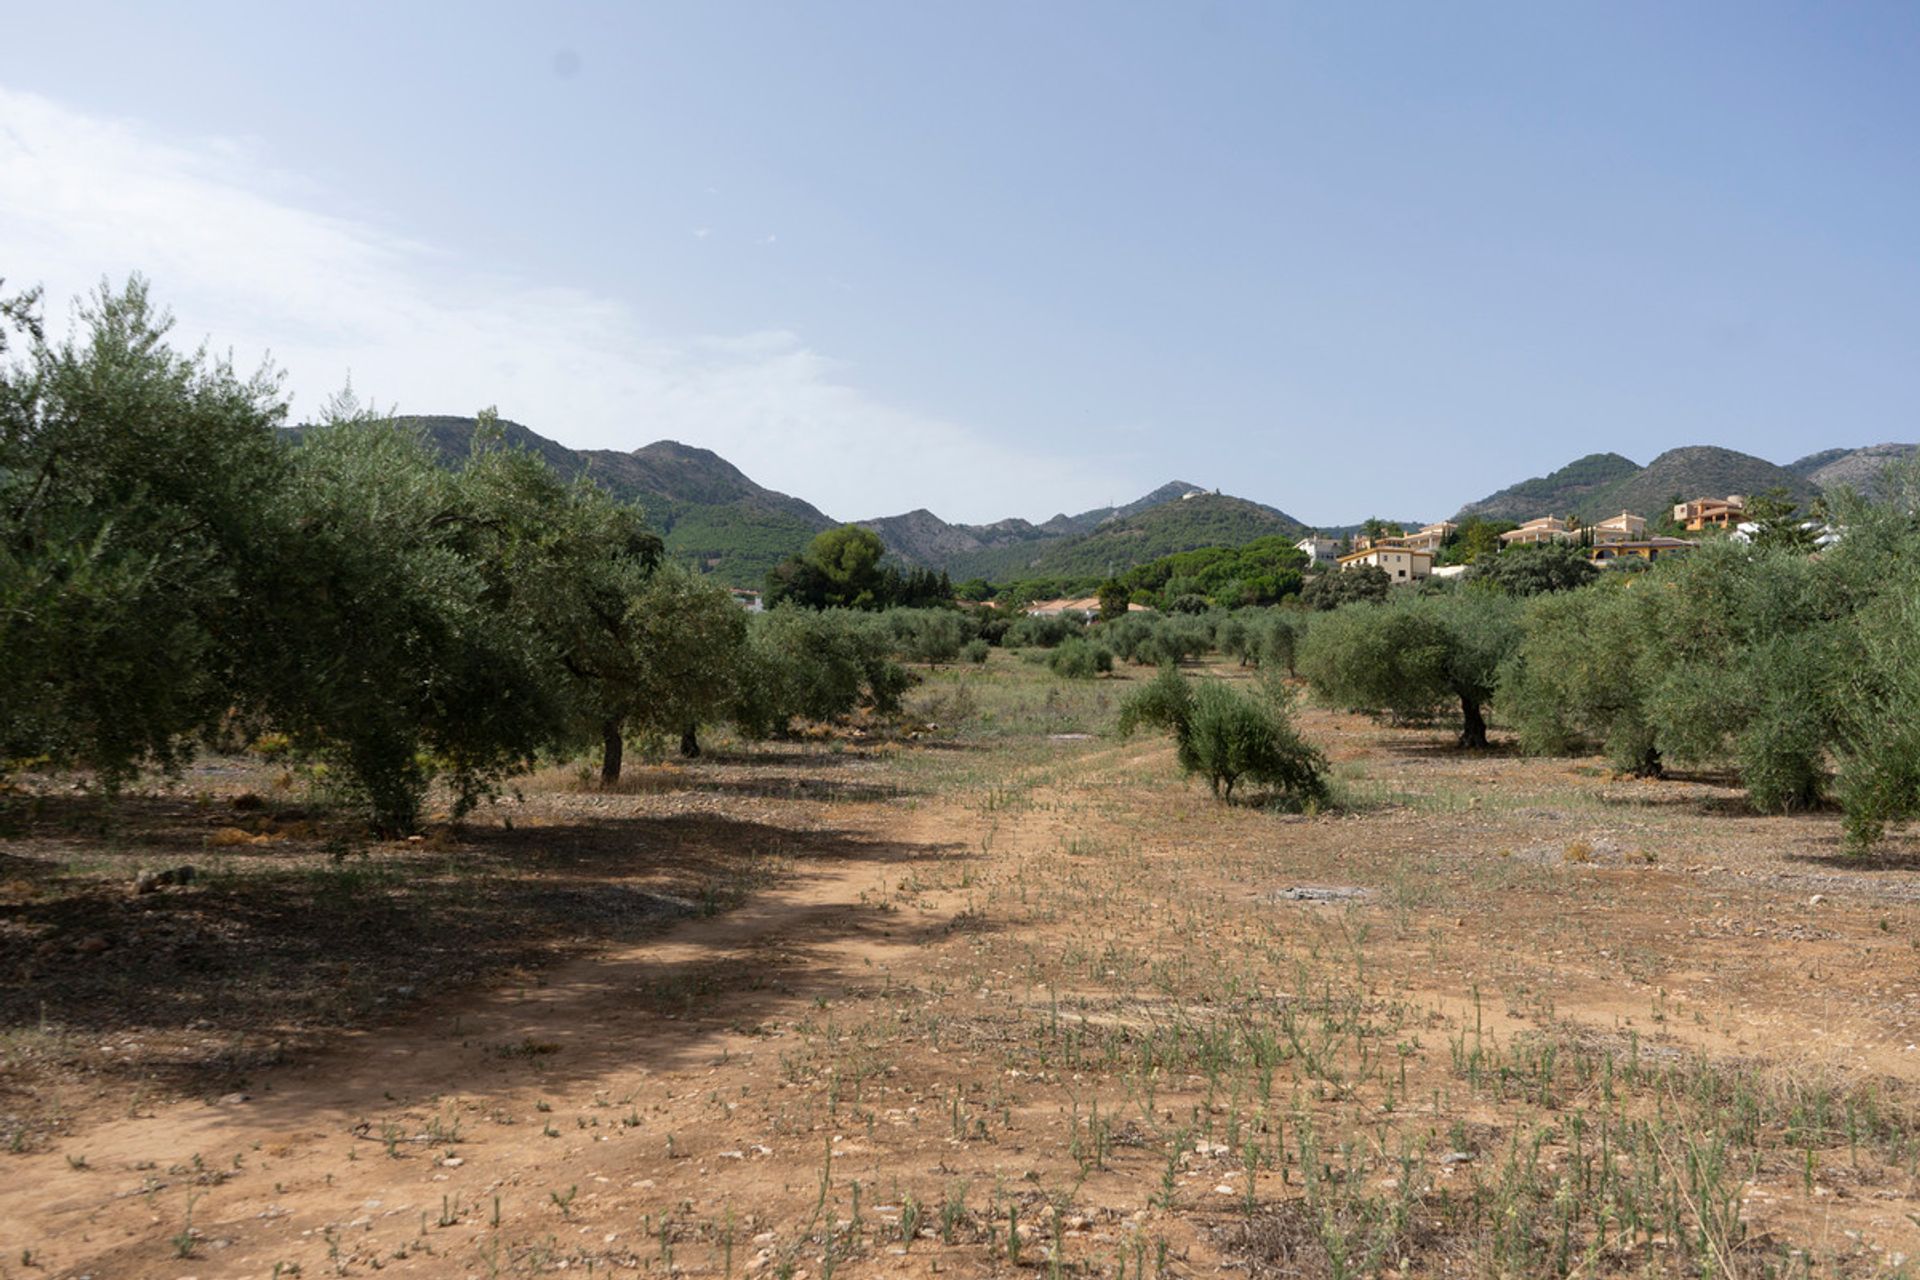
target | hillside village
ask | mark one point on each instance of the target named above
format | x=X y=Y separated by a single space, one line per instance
x=1409 y=557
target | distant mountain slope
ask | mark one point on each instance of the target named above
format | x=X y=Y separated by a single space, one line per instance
x=1560 y=492
x=1856 y=469
x=1605 y=484
x=705 y=508
x=923 y=538
x=1693 y=472
x=1118 y=544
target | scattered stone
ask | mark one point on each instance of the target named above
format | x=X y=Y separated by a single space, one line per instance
x=1816 y=899
x=149 y=880
x=1456 y=1157
x=235 y=1099
x=93 y=944
x=453 y=1162
x=1321 y=893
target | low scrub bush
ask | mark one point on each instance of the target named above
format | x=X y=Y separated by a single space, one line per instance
x=1079 y=659
x=1229 y=737
x=1042 y=633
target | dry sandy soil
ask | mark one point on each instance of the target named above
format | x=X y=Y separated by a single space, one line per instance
x=985 y=1000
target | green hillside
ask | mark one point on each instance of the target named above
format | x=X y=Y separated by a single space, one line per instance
x=1698 y=471
x=705 y=508
x=1605 y=484
x=1560 y=492
x=1210 y=520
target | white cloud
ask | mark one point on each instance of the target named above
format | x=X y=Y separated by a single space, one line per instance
x=230 y=248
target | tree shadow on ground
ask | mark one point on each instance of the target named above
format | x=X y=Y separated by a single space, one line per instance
x=274 y=950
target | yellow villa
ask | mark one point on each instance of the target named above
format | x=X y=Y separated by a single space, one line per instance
x=1402 y=564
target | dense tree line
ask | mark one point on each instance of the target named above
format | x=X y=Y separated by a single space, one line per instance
x=1801 y=672
x=176 y=570
x=845 y=568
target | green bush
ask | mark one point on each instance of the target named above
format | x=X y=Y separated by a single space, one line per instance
x=932 y=636
x=1229 y=737
x=814 y=665
x=1043 y=633
x=1079 y=659
x=976 y=651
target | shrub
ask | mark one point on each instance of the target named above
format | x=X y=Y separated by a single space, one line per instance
x=1079 y=659
x=1332 y=588
x=1042 y=633
x=817 y=665
x=932 y=636
x=976 y=651
x=1228 y=737
x=1534 y=570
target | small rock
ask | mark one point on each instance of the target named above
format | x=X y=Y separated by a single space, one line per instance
x=453 y=1162
x=1816 y=899
x=148 y=880
x=1456 y=1157
x=92 y=945
x=235 y=1099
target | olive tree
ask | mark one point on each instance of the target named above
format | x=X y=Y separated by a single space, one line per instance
x=1411 y=658
x=134 y=482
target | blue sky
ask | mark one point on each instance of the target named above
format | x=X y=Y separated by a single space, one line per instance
x=1000 y=259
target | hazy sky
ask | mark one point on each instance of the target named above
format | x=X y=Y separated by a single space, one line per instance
x=1003 y=259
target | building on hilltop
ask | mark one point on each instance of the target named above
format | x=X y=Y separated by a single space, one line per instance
x=1710 y=513
x=1625 y=527
x=1648 y=549
x=1428 y=537
x=1544 y=529
x=1320 y=552
x=748 y=600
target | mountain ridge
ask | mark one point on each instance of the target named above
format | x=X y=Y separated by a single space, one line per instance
x=1604 y=484
x=713 y=515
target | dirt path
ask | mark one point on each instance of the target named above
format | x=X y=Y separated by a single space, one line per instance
x=266 y=1174
x=888 y=1021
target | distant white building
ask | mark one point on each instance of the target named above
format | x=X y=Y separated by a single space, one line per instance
x=1320 y=552
x=748 y=600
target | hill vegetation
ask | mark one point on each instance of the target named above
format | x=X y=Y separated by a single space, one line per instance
x=1113 y=547
x=710 y=515
x=922 y=538
x=1692 y=472
x=1560 y=491
x=1605 y=484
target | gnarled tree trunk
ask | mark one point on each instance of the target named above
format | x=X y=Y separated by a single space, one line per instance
x=613 y=748
x=1473 y=725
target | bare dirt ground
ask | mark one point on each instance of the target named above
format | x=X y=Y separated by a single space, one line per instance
x=1002 y=998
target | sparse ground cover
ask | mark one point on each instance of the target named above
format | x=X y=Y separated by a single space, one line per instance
x=989 y=991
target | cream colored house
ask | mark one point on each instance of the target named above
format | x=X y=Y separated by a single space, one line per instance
x=1401 y=564
x=1428 y=537
x=1545 y=529
x=1624 y=527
